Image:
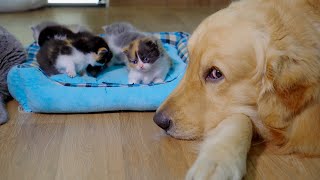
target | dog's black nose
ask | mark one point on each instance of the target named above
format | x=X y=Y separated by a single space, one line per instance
x=162 y=120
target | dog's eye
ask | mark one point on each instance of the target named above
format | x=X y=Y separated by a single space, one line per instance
x=214 y=75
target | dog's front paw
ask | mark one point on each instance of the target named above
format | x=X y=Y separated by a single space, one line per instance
x=209 y=169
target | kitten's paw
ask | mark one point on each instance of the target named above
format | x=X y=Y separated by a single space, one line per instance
x=158 y=80
x=208 y=168
x=146 y=80
x=71 y=74
x=133 y=81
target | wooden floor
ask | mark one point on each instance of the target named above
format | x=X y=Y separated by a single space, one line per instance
x=119 y=145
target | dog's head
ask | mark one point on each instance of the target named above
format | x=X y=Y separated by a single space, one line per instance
x=237 y=67
x=218 y=81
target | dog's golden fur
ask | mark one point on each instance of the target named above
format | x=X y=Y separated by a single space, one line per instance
x=269 y=54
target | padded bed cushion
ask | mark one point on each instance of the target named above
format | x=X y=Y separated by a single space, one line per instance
x=110 y=91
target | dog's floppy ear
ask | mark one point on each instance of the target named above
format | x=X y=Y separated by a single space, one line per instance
x=289 y=99
x=291 y=80
x=290 y=83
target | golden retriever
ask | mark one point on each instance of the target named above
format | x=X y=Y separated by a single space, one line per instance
x=254 y=69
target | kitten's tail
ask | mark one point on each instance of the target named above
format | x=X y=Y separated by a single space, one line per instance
x=3 y=111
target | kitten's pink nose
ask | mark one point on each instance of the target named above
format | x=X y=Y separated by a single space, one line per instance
x=141 y=66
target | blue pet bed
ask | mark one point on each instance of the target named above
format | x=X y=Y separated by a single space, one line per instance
x=110 y=91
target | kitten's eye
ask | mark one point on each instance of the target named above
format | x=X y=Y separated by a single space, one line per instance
x=146 y=59
x=214 y=75
x=134 y=61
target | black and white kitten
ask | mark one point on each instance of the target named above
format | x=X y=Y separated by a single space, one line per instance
x=71 y=53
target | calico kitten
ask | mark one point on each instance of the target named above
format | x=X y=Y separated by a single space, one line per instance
x=118 y=36
x=147 y=61
x=72 y=56
x=142 y=53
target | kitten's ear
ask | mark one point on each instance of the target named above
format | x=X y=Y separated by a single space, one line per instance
x=104 y=28
x=33 y=28
x=125 y=51
x=151 y=43
x=35 y=32
x=79 y=28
